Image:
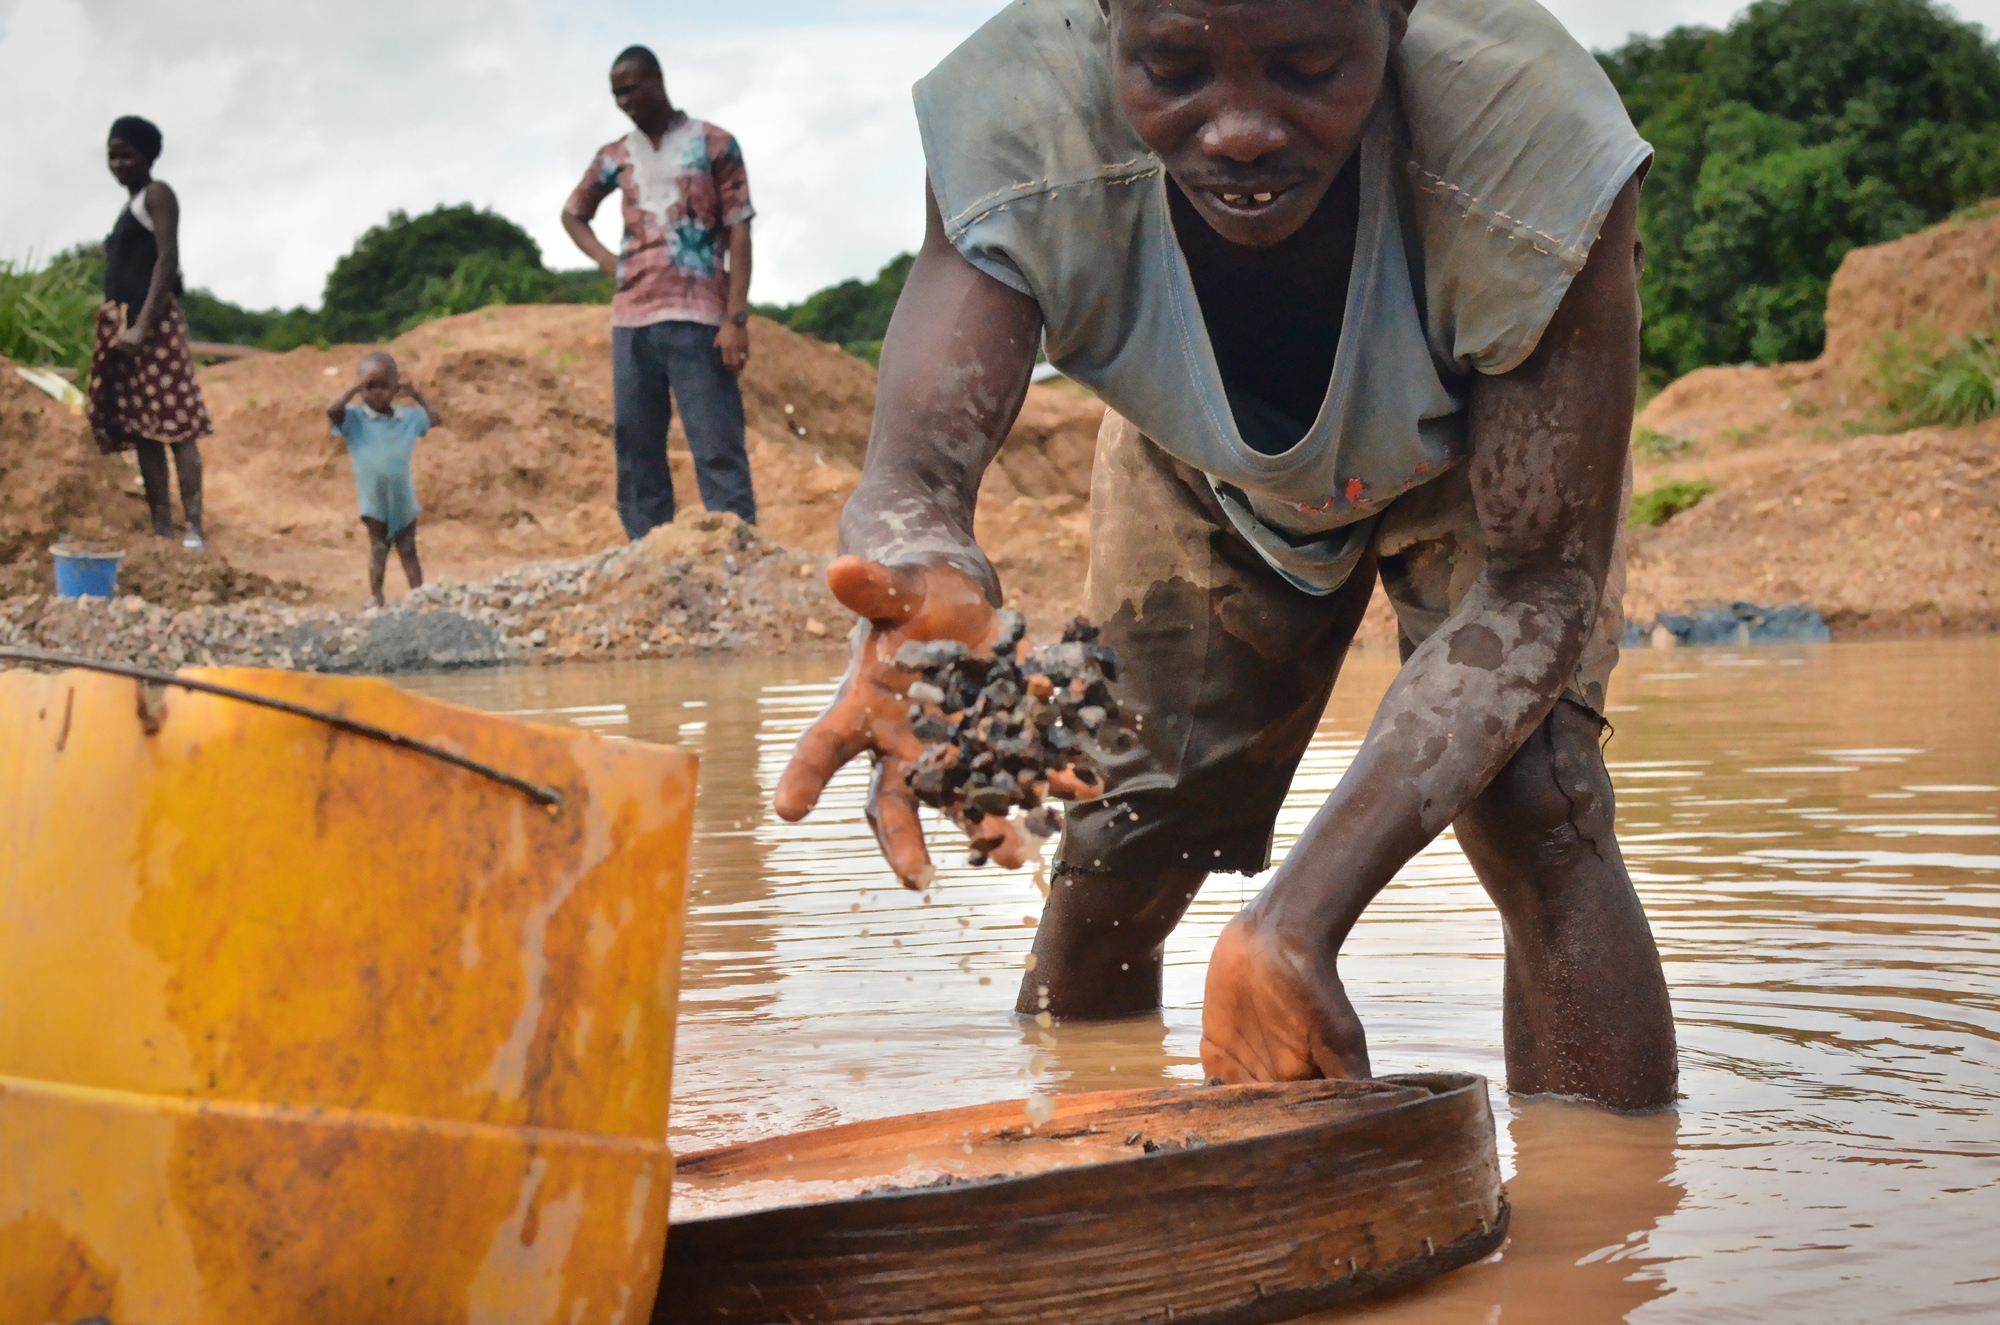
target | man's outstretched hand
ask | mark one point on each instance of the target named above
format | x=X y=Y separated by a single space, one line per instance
x=870 y=711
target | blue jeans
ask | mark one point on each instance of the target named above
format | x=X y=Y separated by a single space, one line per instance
x=645 y=363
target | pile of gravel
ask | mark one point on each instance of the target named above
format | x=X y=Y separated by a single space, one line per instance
x=708 y=584
x=262 y=632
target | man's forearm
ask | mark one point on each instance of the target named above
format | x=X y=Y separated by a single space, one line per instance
x=1546 y=469
x=1457 y=712
x=739 y=267
x=955 y=369
x=937 y=428
x=579 y=231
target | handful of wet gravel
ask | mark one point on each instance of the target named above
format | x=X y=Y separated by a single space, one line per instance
x=995 y=728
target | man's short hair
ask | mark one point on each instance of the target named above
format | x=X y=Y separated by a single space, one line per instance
x=643 y=57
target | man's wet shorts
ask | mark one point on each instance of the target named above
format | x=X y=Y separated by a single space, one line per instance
x=1231 y=665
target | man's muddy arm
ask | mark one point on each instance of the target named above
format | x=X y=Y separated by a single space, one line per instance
x=955 y=368
x=1548 y=444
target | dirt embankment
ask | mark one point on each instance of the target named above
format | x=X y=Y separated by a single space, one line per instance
x=521 y=472
x=523 y=468
x=55 y=487
x=1882 y=532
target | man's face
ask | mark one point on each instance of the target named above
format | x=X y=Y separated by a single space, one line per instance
x=640 y=93
x=1253 y=105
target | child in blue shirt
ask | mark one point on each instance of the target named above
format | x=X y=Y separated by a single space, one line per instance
x=380 y=435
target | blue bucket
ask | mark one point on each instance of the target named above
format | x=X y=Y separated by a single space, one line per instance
x=85 y=574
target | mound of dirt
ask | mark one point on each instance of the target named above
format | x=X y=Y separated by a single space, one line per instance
x=1880 y=533
x=53 y=482
x=523 y=469
x=1939 y=280
x=56 y=487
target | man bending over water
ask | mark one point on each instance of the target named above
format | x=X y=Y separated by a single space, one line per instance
x=1357 y=280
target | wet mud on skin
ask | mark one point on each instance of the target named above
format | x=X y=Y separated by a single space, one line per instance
x=1815 y=832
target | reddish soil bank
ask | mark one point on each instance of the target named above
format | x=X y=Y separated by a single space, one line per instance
x=1883 y=532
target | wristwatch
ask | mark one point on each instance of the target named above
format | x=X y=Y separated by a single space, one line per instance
x=741 y=319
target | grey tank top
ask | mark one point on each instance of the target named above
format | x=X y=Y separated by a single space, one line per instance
x=1486 y=172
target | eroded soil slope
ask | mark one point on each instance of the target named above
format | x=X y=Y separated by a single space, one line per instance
x=523 y=469
x=1815 y=501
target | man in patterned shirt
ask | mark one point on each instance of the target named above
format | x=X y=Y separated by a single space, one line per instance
x=681 y=313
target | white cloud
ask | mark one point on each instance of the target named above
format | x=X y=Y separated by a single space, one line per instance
x=291 y=128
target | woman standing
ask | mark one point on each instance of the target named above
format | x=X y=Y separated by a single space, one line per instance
x=142 y=389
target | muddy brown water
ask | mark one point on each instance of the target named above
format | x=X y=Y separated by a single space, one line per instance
x=1816 y=833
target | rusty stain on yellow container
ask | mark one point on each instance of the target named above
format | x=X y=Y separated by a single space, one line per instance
x=296 y=1026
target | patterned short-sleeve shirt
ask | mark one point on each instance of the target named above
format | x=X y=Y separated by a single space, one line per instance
x=679 y=199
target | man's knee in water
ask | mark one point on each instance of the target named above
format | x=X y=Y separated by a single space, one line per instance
x=1101 y=942
x=1552 y=803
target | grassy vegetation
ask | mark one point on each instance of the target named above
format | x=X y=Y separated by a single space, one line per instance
x=1925 y=381
x=1650 y=445
x=48 y=312
x=1661 y=504
x=853 y=314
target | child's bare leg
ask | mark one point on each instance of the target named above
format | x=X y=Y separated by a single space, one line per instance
x=406 y=552
x=159 y=492
x=378 y=557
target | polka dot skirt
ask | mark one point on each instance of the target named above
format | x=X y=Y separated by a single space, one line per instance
x=151 y=394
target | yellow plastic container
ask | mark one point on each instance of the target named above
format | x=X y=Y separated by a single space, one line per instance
x=296 y=1026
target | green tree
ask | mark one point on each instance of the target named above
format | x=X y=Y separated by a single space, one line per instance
x=214 y=319
x=1803 y=130
x=853 y=314
x=402 y=273
x=382 y=285
x=479 y=280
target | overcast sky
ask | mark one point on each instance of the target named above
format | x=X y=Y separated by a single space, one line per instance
x=292 y=127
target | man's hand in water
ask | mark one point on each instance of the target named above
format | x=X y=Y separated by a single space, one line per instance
x=870 y=712
x=1274 y=1010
